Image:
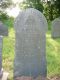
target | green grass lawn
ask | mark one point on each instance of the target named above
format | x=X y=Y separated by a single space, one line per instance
x=8 y=52
x=52 y=54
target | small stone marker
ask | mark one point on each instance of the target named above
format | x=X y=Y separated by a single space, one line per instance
x=5 y=76
x=56 y=28
x=3 y=32
x=30 y=50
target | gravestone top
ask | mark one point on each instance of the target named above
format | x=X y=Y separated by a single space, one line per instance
x=3 y=29
x=55 y=21
x=56 y=28
x=30 y=28
x=28 y=16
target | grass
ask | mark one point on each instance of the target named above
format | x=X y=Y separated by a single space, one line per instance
x=8 y=52
x=52 y=54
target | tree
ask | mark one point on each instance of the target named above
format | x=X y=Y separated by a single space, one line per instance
x=52 y=9
x=3 y=5
x=37 y=4
x=57 y=5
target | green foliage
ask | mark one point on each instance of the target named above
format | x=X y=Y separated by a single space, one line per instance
x=52 y=9
x=6 y=3
x=3 y=5
x=49 y=25
x=37 y=4
x=57 y=5
x=3 y=16
x=10 y=22
x=46 y=11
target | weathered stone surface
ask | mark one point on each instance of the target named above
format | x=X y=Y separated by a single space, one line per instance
x=3 y=32
x=1 y=41
x=0 y=1
x=30 y=49
x=3 y=29
x=56 y=28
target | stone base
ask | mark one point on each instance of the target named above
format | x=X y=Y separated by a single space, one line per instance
x=5 y=76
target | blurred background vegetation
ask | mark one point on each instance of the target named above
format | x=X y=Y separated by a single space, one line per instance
x=50 y=8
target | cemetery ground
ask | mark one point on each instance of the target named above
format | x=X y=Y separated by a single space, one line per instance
x=52 y=53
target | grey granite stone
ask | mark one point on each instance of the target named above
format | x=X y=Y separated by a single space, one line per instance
x=1 y=41
x=30 y=47
x=3 y=32
x=3 y=29
x=55 y=32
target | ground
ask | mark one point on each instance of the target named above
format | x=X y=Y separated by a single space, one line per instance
x=54 y=78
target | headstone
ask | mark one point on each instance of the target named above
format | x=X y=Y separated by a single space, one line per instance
x=56 y=28
x=0 y=0
x=30 y=49
x=1 y=41
x=3 y=32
